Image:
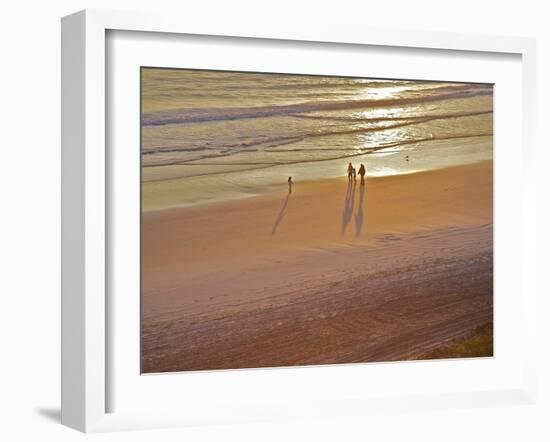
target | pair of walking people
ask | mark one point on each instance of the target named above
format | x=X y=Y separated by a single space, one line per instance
x=352 y=173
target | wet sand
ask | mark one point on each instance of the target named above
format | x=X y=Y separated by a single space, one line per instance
x=332 y=273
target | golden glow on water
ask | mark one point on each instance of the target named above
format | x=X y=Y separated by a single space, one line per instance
x=389 y=171
x=225 y=133
x=380 y=93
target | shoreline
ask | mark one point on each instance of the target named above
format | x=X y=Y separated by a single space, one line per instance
x=278 y=189
x=159 y=195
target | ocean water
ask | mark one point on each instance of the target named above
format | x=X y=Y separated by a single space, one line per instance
x=213 y=135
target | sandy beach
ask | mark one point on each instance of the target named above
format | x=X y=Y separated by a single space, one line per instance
x=331 y=273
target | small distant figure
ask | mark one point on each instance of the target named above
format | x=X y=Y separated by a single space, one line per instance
x=407 y=158
x=350 y=172
x=354 y=174
x=362 y=172
x=290 y=183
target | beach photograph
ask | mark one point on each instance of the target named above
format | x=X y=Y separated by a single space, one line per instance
x=296 y=220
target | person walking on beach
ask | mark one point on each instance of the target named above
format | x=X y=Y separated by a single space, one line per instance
x=350 y=172
x=354 y=174
x=362 y=172
x=290 y=183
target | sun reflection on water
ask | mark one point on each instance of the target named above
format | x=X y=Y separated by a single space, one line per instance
x=382 y=93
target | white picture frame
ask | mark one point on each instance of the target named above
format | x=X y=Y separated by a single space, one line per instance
x=85 y=208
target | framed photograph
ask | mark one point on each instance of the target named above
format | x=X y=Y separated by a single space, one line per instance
x=264 y=223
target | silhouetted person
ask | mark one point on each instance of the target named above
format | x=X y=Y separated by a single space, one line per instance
x=362 y=172
x=354 y=174
x=290 y=183
x=350 y=172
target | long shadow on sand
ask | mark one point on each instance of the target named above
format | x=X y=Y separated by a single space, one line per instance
x=348 y=205
x=359 y=213
x=281 y=215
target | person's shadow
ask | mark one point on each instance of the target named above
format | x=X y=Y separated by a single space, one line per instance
x=281 y=215
x=348 y=205
x=359 y=213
